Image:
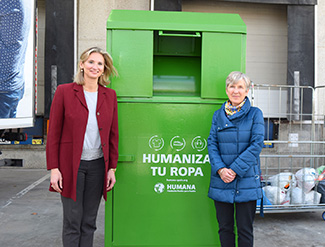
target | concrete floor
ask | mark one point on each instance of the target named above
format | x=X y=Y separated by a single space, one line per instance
x=31 y=216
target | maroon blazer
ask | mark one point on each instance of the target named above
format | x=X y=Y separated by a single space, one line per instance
x=67 y=127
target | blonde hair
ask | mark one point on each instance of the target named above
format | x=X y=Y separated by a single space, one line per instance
x=109 y=69
x=236 y=76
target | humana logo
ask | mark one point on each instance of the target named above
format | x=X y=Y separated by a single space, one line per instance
x=181 y=187
x=177 y=158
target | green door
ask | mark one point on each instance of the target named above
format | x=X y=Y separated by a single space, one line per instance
x=221 y=54
x=160 y=198
x=126 y=44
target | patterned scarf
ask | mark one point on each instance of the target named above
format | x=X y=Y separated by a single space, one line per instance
x=231 y=110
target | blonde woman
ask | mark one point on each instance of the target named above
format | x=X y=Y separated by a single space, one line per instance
x=82 y=145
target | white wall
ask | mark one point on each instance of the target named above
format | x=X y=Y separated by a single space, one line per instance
x=92 y=17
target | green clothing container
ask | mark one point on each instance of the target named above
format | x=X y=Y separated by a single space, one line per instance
x=172 y=68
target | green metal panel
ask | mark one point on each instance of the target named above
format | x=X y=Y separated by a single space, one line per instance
x=132 y=53
x=173 y=20
x=222 y=53
x=166 y=146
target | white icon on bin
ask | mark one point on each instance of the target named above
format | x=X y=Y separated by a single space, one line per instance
x=199 y=143
x=159 y=188
x=177 y=143
x=156 y=143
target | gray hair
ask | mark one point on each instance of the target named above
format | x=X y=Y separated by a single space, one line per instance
x=236 y=76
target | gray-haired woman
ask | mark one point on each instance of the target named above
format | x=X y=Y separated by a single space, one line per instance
x=235 y=142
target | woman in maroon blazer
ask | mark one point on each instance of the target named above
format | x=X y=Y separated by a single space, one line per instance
x=82 y=145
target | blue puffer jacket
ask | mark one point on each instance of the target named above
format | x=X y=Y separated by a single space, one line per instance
x=236 y=142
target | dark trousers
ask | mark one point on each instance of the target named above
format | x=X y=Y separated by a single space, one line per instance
x=245 y=214
x=79 y=217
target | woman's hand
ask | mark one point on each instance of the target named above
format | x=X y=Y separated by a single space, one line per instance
x=56 y=180
x=227 y=175
x=111 y=180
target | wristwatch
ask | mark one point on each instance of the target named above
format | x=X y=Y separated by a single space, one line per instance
x=113 y=169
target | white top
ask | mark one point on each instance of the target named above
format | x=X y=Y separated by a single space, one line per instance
x=92 y=145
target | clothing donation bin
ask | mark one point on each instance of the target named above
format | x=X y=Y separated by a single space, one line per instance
x=172 y=68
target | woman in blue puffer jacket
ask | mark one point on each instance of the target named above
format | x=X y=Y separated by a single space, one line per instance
x=235 y=143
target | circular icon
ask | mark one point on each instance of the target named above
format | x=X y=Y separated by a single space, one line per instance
x=156 y=143
x=159 y=188
x=199 y=143
x=178 y=143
